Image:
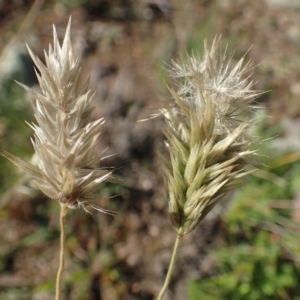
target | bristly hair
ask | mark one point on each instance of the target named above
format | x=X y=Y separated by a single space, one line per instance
x=207 y=119
x=64 y=137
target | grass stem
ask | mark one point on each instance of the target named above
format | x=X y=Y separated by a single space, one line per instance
x=63 y=213
x=172 y=264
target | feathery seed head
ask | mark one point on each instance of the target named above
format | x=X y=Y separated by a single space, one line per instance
x=64 y=136
x=207 y=120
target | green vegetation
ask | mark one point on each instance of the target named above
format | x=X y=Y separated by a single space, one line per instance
x=260 y=255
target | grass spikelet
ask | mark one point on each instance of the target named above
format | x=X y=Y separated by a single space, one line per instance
x=64 y=136
x=207 y=118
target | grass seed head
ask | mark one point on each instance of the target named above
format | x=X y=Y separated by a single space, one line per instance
x=64 y=135
x=207 y=120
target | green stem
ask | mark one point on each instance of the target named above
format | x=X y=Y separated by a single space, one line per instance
x=63 y=212
x=172 y=264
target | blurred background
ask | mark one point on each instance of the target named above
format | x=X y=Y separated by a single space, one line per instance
x=247 y=248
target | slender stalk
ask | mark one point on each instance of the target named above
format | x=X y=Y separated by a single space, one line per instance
x=172 y=264
x=63 y=213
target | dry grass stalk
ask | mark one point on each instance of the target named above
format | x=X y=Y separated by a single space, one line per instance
x=64 y=137
x=207 y=120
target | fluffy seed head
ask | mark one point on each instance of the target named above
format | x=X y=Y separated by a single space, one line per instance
x=64 y=136
x=207 y=120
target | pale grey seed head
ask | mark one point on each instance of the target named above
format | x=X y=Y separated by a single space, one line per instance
x=64 y=136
